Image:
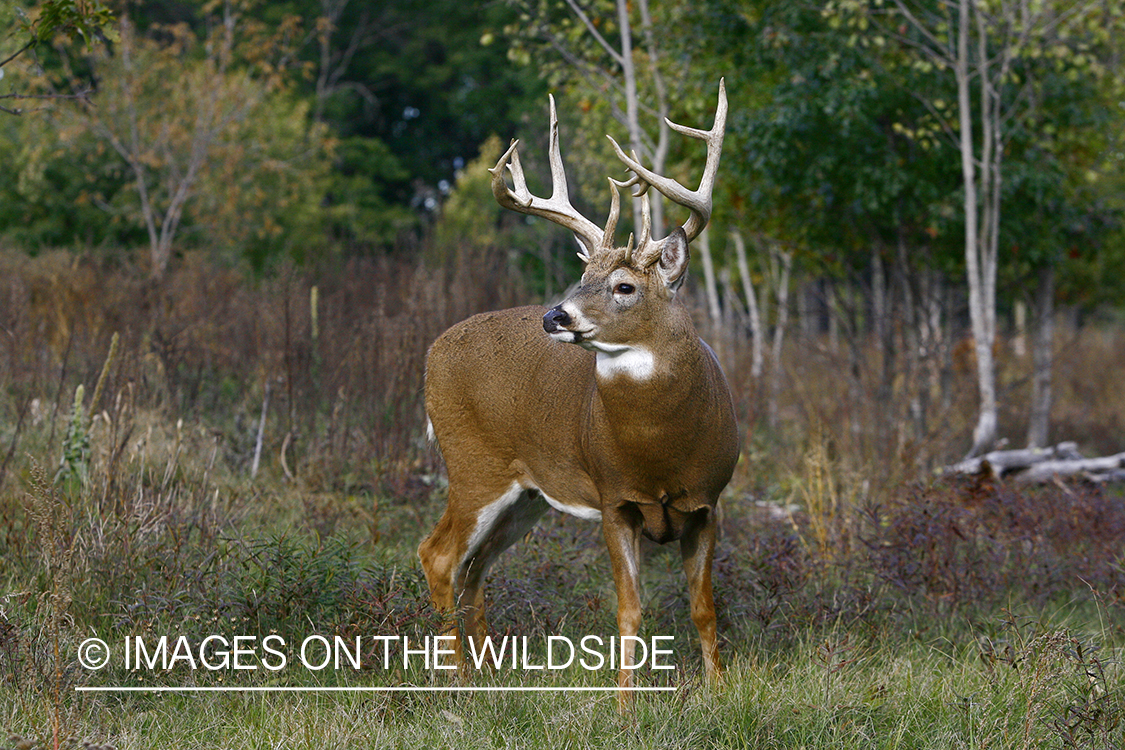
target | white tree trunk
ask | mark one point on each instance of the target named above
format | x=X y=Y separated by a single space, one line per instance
x=710 y=287
x=781 y=265
x=630 y=72
x=646 y=148
x=660 y=152
x=756 y=334
x=1042 y=357
x=980 y=297
x=1019 y=342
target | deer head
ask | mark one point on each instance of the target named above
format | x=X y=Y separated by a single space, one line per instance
x=617 y=279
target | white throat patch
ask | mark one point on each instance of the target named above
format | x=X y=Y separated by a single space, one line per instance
x=636 y=362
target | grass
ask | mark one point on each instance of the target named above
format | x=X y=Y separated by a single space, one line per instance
x=901 y=696
x=860 y=605
x=859 y=649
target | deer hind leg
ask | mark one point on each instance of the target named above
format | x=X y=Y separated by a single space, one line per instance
x=697 y=546
x=516 y=513
x=457 y=555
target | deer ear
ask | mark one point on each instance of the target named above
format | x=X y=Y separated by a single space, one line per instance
x=673 y=259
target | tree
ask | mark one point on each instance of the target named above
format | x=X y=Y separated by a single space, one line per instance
x=989 y=49
x=179 y=109
x=86 y=21
x=407 y=91
x=828 y=166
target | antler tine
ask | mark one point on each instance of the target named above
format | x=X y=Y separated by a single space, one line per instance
x=557 y=208
x=697 y=201
x=646 y=206
x=615 y=211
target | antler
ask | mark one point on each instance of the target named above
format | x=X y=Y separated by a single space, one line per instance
x=615 y=212
x=594 y=239
x=557 y=208
x=697 y=201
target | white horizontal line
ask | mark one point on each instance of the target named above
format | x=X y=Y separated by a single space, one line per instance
x=400 y=689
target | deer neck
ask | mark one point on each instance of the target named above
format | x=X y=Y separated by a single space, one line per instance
x=644 y=389
x=635 y=363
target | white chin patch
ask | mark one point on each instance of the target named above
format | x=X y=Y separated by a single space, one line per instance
x=612 y=360
x=565 y=336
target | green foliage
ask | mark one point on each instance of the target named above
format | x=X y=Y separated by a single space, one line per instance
x=839 y=137
x=829 y=158
x=209 y=147
x=286 y=582
x=362 y=205
x=75 y=462
x=411 y=90
x=86 y=20
x=78 y=21
x=471 y=217
x=850 y=142
x=58 y=194
x=441 y=92
x=401 y=97
x=260 y=198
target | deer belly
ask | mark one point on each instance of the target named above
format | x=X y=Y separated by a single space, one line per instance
x=580 y=511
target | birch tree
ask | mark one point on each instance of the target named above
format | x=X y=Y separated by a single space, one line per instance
x=612 y=51
x=985 y=46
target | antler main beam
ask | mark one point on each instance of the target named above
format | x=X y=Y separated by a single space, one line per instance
x=593 y=238
x=557 y=208
x=697 y=201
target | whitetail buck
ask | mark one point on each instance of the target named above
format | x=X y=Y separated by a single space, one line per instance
x=633 y=426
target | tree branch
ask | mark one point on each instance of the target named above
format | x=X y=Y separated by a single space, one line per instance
x=18 y=52
x=613 y=53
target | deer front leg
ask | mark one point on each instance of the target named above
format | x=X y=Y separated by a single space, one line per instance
x=621 y=527
x=697 y=546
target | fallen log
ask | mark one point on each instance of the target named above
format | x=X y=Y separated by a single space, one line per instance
x=1104 y=469
x=1040 y=465
x=1000 y=463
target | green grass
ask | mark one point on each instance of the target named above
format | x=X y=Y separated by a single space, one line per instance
x=893 y=695
x=934 y=615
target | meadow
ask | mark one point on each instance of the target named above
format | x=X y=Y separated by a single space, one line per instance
x=226 y=455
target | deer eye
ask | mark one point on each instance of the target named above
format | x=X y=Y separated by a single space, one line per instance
x=624 y=289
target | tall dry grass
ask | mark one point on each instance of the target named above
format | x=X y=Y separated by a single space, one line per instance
x=335 y=352
x=344 y=396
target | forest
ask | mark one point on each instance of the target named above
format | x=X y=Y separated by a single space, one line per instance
x=231 y=229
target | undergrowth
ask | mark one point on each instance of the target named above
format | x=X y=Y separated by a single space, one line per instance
x=859 y=605
x=1020 y=592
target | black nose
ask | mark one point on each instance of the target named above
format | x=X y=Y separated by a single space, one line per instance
x=555 y=319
